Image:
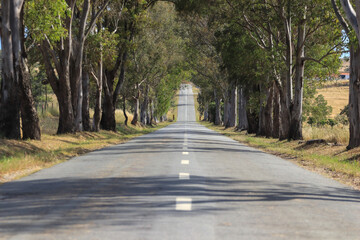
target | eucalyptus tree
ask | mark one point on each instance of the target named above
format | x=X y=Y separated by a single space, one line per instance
x=205 y=62
x=351 y=29
x=156 y=52
x=126 y=25
x=16 y=97
x=61 y=38
x=101 y=50
x=245 y=62
x=285 y=29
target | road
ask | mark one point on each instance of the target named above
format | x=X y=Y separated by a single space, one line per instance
x=180 y=182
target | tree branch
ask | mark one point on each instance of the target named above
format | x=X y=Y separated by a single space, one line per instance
x=351 y=15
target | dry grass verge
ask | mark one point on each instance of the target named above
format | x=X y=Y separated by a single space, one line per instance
x=20 y=158
x=330 y=160
x=336 y=134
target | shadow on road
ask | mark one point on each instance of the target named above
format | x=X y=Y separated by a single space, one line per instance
x=124 y=201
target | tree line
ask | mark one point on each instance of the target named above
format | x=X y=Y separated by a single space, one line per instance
x=256 y=61
x=94 y=53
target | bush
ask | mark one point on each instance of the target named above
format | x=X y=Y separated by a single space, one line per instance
x=311 y=121
x=342 y=119
x=318 y=111
x=322 y=122
x=332 y=122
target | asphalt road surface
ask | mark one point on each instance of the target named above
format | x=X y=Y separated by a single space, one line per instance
x=181 y=182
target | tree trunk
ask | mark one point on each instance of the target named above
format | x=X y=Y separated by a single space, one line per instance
x=226 y=108
x=284 y=106
x=98 y=98
x=232 y=108
x=276 y=113
x=289 y=53
x=57 y=66
x=121 y=78
x=253 y=120
x=136 y=107
x=16 y=88
x=108 y=109
x=152 y=117
x=143 y=112
x=29 y=116
x=268 y=113
x=110 y=97
x=136 y=112
x=66 y=116
x=217 y=110
x=97 y=109
x=295 y=131
x=242 y=120
x=148 y=113
x=85 y=103
x=144 y=107
x=206 y=112
x=262 y=119
x=124 y=111
x=76 y=64
x=284 y=115
x=10 y=101
x=108 y=114
x=77 y=98
x=354 y=98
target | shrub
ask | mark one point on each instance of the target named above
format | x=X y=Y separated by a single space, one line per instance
x=318 y=111
x=332 y=122
x=311 y=121
x=342 y=118
x=322 y=122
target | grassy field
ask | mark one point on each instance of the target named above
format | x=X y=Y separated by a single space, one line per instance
x=336 y=93
x=20 y=158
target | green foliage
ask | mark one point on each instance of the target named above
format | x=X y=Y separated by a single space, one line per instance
x=319 y=111
x=45 y=18
x=343 y=117
x=156 y=58
x=102 y=43
x=331 y=122
x=194 y=6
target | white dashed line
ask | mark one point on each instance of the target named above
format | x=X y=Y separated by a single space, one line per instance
x=185 y=153
x=183 y=204
x=185 y=162
x=184 y=175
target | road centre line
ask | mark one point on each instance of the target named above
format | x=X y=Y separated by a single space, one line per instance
x=184 y=175
x=183 y=204
x=185 y=153
x=185 y=162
